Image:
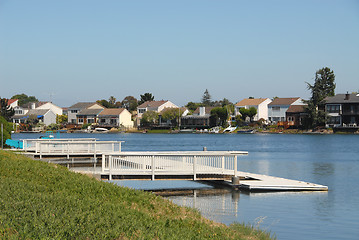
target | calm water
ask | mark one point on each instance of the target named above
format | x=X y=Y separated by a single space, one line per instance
x=331 y=160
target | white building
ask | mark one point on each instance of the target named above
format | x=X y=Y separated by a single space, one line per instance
x=278 y=107
x=260 y=104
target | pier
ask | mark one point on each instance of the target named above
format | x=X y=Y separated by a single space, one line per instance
x=107 y=160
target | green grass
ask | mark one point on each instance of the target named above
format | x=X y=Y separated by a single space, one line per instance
x=46 y=201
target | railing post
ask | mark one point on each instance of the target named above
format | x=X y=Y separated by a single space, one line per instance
x=153 y=167
x=40 y=150
x=109 y=167
x=222 y=164
x=103 y=162
x=119 y=146
x=113 y=147
x=235 y=165
x=194 y=168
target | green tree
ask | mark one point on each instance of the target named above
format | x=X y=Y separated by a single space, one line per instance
x=61 y=119
x=323 y=87
x=192 y=106
x=149 y=119
x=252 y=111
x=23 y=98
x=112 y=101
x=146 y=97
x=6 y=111
x=206 y=99
x=171 y=114
x=130 y=103
x=219 y=116
x=244 y=113
x=7 y=128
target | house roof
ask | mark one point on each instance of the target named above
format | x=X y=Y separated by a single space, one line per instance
x=37 y=112
x=112 y=111
x=296 y=108
x=82 y=105
x=11 y=101
x=341 y=98
x=152 y=104
x=251 y=102
x=207 y=110
x=84 y=112
x=283 y=101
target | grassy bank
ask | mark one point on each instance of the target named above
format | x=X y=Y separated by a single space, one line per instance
x=40 y=200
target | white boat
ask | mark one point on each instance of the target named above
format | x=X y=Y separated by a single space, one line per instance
x=101 y=130
x=229 y=129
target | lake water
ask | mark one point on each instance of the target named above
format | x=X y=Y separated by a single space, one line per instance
x=331 y=160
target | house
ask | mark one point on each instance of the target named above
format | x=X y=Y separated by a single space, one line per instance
x=260 y=104
x=45 y=116
x=76 y=108
x=295 y=115
x=115 y=117
x=278 y=107
x=156 y=106
x=13 y=103
x=49 y=105
x=88 y=116
x=343 y=110
x=199 y=119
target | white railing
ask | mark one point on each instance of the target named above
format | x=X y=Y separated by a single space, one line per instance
x=30 y=144
x=69 y=147
x=170 y=163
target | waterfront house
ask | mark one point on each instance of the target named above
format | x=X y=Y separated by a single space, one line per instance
x=342 y=110
x=88 y=115
x=295 y=116
x=49 y=105
x=115 y=117
x=76 y=108
x=156 y=106
x=278 y=107
x=200 y=118
x=13 y=103
x=260 y=104
x=45 y=116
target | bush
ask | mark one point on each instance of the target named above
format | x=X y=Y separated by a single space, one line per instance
x=7 y=128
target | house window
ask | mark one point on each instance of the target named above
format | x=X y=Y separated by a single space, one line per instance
x=18 y=112
x=102 y=120
x=90 y=120
x=141 y=110
x=81 y=120
x=73 y=121
x=290 y=119
x=275 y=108
x=334 y=120
x=74 y=111
x=333 y=108
x=113 y=121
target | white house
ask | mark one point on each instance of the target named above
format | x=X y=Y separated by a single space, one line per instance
x=115 y=117
x=49 y=105
x=76 y=108
x=278 y=107
x=260 y=104
x=156 y=106
x=45 y=116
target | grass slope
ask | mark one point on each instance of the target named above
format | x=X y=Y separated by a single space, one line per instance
x=42 y=201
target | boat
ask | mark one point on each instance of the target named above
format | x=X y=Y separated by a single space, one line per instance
x=229 y=129
x=102 y=130
x=246 y=131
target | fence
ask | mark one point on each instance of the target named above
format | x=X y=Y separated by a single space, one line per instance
x=170 y=163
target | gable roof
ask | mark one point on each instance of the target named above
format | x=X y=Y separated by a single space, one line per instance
x=11 y=101
x=251 y=102
x=152 y=104
x=84 y=112
x=112 y=111
x=82 y=105
x=296 y=108
x=37 y=112
x=343 y=98
x=283 y=101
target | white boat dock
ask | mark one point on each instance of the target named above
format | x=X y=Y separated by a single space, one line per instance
x=105 y=159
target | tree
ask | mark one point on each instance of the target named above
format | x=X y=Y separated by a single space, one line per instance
x=206 y=99
x=244 y=114
x=171 y=114
x=192 y=106
x=149 y=118
x=61 y=118
x=104 y=103
x=130 y=103
x=112 y=101
x=23 y=98
x=323 y=87
x=7 y=128
x=218 y=116
x=6 y=111
x=146 y=97
x=252 y=111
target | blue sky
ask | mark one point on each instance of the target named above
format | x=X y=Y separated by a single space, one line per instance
x=69 y=51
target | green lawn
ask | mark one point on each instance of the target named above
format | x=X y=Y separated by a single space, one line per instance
x=46 y=201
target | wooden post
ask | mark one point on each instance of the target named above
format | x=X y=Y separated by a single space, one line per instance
x=194 y=168
x=235 y=165
x=40 y=150
x=153 y=167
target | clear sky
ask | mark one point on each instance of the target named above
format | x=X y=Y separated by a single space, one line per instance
x=69 y=51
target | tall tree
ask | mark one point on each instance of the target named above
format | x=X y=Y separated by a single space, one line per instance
x=130 y=103
x=171 y=114
x=192 y=106
x=112 y=101
x=323 y=87
x=149 y=119
x=146 y=97
x=23 y=98
x=6 y=111
x=206 y=99
x=218 y=116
